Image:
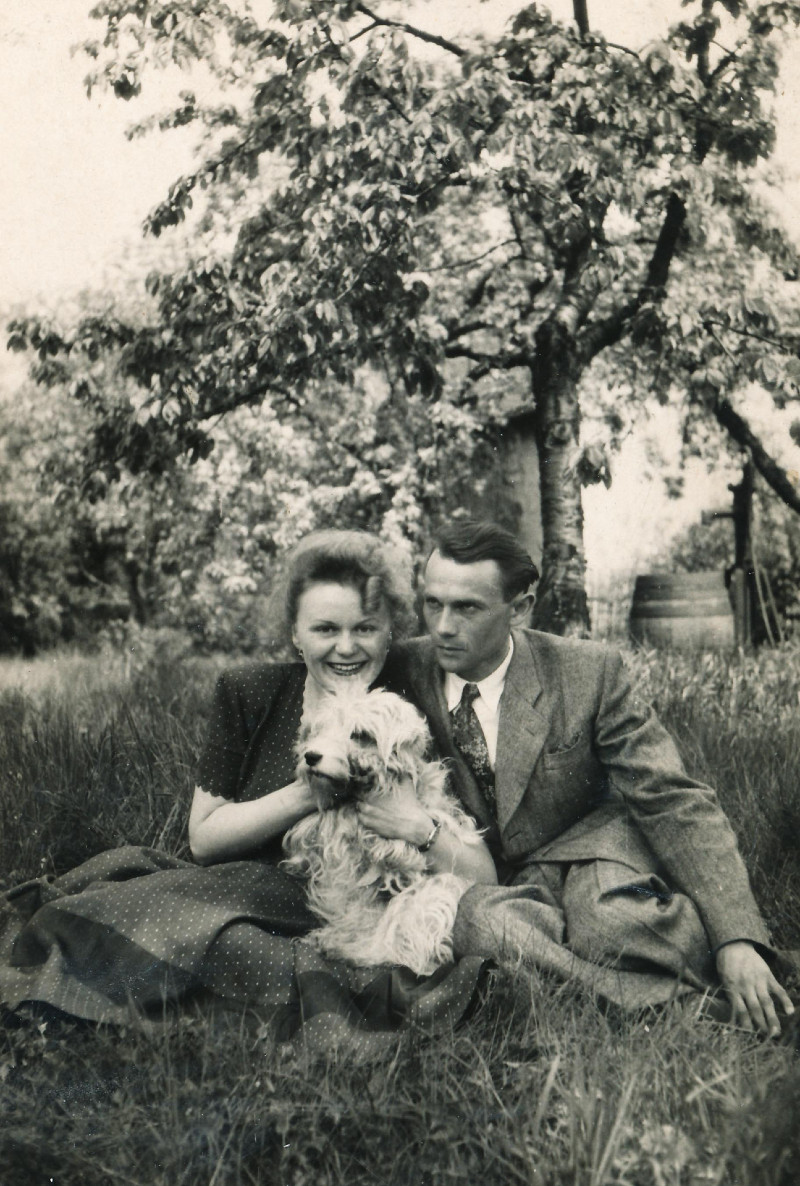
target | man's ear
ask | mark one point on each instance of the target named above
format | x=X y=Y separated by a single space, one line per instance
x=521 y=609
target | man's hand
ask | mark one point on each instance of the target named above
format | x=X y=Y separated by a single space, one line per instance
x=399 y=818
x=751 y=988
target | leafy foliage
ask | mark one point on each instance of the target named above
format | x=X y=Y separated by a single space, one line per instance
x=198 y=545
x=479 y=222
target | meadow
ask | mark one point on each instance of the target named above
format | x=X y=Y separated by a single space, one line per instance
x=539 y=1087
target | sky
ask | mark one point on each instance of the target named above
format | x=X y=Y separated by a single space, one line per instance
x=74 y=193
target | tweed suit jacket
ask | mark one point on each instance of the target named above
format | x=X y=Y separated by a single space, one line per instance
x=585 y=771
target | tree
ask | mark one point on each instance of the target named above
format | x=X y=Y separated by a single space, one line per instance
x=197 y=545
x=485 y=223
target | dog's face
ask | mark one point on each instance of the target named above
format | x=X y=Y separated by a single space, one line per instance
x=359 y=743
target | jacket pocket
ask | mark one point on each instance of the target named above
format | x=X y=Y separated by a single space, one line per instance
x=576 y=750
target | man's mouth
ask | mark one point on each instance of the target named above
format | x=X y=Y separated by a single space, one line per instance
x=347 y=669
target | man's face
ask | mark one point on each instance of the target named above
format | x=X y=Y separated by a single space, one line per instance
x=467 y=616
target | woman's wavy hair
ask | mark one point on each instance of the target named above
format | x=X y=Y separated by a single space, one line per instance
x=358 y=560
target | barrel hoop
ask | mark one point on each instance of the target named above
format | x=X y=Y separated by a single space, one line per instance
x=681 y=609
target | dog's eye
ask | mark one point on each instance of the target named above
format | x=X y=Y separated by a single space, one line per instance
x=361 y=737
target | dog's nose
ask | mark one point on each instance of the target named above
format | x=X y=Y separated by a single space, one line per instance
x=312 y=757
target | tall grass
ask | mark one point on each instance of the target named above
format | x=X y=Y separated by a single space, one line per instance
x=539 y=1087
x=96 y=752
x=737 y=725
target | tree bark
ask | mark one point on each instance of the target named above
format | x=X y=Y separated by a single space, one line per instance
x=520 y=468
x=561 y=604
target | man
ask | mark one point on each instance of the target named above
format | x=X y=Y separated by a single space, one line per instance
x=619 y=869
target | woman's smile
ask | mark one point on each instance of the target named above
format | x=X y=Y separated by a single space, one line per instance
x=347 y=669
x=340 y=639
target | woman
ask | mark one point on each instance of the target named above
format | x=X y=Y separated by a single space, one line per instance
x=137 y=927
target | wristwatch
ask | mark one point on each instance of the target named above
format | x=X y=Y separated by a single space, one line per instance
x=430 y=838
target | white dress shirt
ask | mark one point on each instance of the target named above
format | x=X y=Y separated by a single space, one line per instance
x=487 y=704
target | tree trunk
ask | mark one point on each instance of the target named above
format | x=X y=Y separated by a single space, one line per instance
x=561 y=605
x=521 y=486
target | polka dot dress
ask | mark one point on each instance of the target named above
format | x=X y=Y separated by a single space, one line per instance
x=136 y=928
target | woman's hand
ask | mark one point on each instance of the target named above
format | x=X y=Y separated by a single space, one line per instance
x=220 y=830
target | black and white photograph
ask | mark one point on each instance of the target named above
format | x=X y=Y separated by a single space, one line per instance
x=399 y=593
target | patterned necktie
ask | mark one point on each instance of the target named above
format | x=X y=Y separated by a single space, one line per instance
x=471 y=743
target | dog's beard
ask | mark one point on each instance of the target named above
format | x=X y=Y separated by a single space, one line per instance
x=332 y=791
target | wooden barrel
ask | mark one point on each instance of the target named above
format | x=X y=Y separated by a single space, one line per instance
x=687 y=610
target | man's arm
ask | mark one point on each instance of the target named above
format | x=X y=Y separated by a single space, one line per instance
x=691 y=836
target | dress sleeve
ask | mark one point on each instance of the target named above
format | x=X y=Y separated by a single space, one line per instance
x=226 y=741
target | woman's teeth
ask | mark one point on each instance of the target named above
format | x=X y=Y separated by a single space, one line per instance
x=346 y=668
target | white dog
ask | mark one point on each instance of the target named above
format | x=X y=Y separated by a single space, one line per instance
x=376 y=898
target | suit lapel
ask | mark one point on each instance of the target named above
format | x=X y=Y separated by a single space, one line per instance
x=428 y=689
x=522 y=730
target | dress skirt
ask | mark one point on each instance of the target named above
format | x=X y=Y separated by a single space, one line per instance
x=136 y=932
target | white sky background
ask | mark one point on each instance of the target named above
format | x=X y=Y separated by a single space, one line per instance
x=74 y=192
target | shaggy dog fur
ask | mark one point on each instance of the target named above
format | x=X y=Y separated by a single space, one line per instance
x=378 y=902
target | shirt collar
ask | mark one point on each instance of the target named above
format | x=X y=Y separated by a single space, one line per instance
x=490 y=688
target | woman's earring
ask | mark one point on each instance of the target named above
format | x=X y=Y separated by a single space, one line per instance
x=300 y=652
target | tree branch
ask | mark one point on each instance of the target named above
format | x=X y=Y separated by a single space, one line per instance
x=471 y=327
x=467 y=263
x=609 y=332
x=773 y=474
x=364 y=31
x=580 y=11
x=791 y=347
x=412 y=31
x=492 y=362
x=301 y=407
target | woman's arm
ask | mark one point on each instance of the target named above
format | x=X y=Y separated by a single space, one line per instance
x=220 y=830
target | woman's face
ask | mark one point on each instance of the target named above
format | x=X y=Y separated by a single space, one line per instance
x=343 y=645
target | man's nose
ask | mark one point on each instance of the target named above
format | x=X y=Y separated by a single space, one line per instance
x=445 y=623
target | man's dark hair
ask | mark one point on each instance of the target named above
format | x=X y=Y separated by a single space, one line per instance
x=468 y=541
